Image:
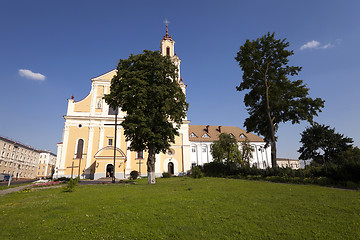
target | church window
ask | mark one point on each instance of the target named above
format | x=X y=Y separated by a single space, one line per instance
x=80 y=147
x=110 y=142
x=80 y=126
x=140 y=154
x=171 y=152
x=168 y=51
x=193 y=135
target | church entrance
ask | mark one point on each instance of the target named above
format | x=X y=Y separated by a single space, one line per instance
x=171 y=168
x=109 y=170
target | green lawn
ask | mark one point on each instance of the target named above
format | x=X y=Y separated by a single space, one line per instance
x=183 y=208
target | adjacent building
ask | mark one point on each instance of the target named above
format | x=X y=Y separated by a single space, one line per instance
x=17 y=159
x=202 y=136
x=291 y=163
x=46 y=164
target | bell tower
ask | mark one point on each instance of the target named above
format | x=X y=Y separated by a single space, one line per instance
x=167 y=48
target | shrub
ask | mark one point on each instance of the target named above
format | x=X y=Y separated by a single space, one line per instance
x=134 y=175
x=196 y=172
x=71 y=185
x=166 y=175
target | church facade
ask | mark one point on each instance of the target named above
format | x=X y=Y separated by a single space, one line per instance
x=87 y=149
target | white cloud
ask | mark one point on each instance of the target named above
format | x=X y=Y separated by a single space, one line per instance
x=312 y=44
x=31 y=75
x=329 y=45
x=315 y=45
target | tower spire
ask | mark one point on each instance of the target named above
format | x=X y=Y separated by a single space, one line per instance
x=167 y=36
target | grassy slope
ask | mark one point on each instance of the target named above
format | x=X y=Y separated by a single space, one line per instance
x=183 y=208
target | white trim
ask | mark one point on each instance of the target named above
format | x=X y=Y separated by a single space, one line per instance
x=176 y=165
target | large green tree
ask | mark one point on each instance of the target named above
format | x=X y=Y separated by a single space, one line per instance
x=272 y=97
x=323 y=145
x=226 y=149
x=146 y=88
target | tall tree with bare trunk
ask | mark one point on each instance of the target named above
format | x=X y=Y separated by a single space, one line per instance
x=272 y=97
x=146 y=88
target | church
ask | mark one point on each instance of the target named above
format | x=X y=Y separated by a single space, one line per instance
x=87 y=148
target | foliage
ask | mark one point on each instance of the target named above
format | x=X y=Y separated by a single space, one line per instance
x=146 y=88
x=71 y=185
x=166 y=175
x=272 y=98
x=323 y=145
x=196 y=172
x=63 y=179
x=134 y=174
x=206 y=208
x=246 y=151
x=344 y=176
x=226 y=149
x=27 y=189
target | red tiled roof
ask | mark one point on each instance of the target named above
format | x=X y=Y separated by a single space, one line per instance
x=214 y=131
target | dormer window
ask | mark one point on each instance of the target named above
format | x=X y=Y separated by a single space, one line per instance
x=242 y=136
x=168 y=51
x=206 y=136
x=193 y=135
x=232 y=135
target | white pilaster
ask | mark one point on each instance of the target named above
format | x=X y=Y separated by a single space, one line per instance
x=118 y=136
x=157 y=163
x=90 y=144
x=93 y=98
x=128 y=154
x=101 y=138
x=65 y=146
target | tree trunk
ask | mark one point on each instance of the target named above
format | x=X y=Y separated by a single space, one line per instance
x=151 y=167
x=273 y=154
x=271 y=124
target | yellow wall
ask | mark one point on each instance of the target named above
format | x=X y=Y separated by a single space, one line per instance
x=83 y=105
x=76 y=133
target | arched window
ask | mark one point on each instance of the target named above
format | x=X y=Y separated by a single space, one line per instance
x=168 y=51
x=80 y=147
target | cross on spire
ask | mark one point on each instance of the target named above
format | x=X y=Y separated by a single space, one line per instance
x=167 y=23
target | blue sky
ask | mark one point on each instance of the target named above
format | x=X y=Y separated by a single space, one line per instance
x=69 y=42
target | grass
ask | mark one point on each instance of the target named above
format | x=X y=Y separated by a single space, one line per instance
x=183 y=208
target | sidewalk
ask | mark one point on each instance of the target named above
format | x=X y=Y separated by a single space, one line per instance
x=10 y=190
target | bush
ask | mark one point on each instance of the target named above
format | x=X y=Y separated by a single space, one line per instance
x=196 y=172
x=62 y=179
x=71 y=185
x=134 y=175
x=166 y=175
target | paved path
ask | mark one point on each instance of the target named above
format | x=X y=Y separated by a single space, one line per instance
x=10 y=190
x=82 y=182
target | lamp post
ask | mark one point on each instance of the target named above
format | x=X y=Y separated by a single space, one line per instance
x=116 y=113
